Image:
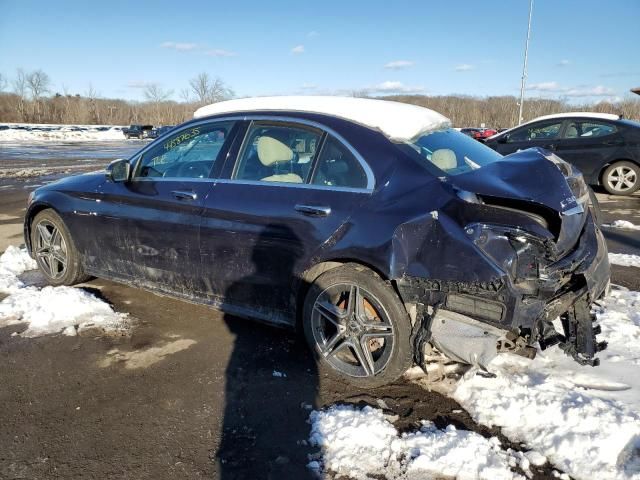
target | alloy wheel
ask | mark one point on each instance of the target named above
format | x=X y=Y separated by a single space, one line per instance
x=622 y=178
x=352 y=330
x=50 y=249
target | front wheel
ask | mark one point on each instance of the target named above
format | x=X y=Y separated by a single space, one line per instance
x=621 y=178
x=54 y=250
x=356 y=325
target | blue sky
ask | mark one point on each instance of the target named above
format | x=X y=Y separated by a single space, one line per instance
x=583 y=50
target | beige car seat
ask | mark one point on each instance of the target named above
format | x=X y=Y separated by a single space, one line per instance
x=272 y=152
x=444 y=159
x=572 y=131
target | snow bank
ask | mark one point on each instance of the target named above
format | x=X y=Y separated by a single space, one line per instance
x=624 y=259
x=584 y=419
x=399 y=121
x=362 y=443
x=50 y=309
x=61 y=133
x=622 y=224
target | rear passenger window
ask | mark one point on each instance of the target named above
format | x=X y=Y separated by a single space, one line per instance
x=588 y=129
x=278 y=153
x=338 y=167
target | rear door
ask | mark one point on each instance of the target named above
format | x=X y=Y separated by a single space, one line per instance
x=154 y=219
x=292 y=187
x=544 y=134
x=589 y=144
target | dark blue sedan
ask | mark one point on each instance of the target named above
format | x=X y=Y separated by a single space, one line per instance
x=372 y=225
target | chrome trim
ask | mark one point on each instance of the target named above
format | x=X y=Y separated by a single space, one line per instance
x=371 y=181
x=309 y=186
x=313 y=210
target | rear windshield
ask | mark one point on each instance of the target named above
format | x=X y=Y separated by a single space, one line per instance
x=453 y=152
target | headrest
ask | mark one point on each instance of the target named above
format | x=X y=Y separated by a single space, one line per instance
x=272 y=151
x=444 y=159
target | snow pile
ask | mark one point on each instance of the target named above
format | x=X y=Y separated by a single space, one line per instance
x=622 y=224
x=584 y=419
x=13 y=262
x=363 y=444
x=398 y=121
x=58 y=133
x=624 y=259
x=51 y=309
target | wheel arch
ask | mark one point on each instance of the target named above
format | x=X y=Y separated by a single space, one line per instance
x=306 y=279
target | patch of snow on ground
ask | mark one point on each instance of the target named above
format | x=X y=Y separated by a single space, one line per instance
x=363 y=444
x=50 y=309
x=622 y=224
x=584 y=419
x=13 y=262
x=57 y=133
x=624 y=259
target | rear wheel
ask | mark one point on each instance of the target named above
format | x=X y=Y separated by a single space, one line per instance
x=356 y=325
x=54 y=250
x=621 y=178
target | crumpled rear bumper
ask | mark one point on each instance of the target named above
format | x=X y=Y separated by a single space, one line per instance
x=567 y=288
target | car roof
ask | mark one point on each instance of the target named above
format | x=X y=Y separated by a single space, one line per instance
x=399 y=122
x=601 y=116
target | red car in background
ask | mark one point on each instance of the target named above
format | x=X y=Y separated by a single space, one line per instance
x=484 y=133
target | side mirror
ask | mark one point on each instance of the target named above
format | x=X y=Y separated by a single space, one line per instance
x=503 y=138
x=118 y=171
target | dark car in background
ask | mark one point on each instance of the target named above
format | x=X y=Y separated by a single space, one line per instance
x=160 y=131
x=604 y=147
x=137 y=131
x=372 y=225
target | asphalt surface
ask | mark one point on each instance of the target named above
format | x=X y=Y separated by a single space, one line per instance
x=189 y=392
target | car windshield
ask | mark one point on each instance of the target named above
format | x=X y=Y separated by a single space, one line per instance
x=453 y=152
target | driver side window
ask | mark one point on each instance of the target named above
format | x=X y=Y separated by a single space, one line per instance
x=544 y=131
x=189 y=153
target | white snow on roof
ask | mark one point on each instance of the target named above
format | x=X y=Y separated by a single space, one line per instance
x=399 y=121
x=601 y=116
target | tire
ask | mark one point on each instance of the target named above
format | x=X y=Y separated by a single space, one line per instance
x=621 y=178
x=367 y=342
x=54 y=250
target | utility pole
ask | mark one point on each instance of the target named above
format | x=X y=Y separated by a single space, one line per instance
x=524 y=66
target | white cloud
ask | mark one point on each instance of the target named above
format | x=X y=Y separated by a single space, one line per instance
x=563 y=63
x=298 y=49
x=544 y=87
x=399 y=64
x=138 y=84
x=312 y=34
x=464 y=67
x=579 y=91
x=220 y=52
x=393 y=87
x=180 y=46
x=309 y=86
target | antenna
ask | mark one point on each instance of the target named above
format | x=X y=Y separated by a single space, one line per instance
x=524 y=66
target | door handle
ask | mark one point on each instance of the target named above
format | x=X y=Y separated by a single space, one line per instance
x=313 y=210
x=184 y=195
x=552 y=146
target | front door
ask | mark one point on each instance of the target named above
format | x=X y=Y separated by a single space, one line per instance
x=155 y=217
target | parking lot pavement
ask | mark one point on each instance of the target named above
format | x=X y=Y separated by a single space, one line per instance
x=189 y=392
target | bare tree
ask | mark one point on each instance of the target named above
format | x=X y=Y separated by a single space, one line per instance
x=38 y=83
x=3 y=82
x=209 y=90
x=20 y=89
x=156 y=94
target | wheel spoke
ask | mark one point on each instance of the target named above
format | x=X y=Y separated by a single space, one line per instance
x=44 y=234
x=377 y=330
x=331 y=312
x=332 y=345
x=363 y=355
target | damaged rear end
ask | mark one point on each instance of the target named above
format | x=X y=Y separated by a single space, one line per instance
x=515 y=248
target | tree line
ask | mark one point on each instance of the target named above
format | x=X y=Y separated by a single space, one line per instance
x=29 y=98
